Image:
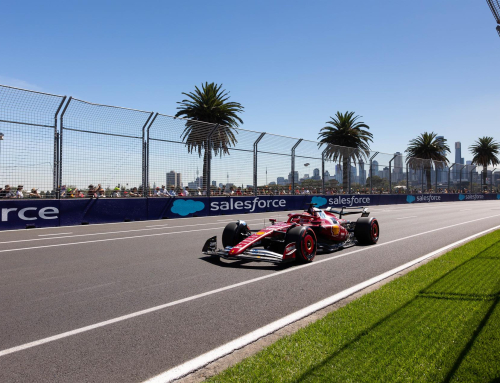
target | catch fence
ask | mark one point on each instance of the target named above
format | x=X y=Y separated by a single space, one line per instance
x=58 y=147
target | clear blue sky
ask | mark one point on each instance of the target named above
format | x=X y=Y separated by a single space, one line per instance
x=405 y=66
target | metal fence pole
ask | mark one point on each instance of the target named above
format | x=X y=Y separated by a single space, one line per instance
x=371 y=171
x=422 y=184
x=407 y=179
x=293 y=164
x=470 y=183
x=436 y=171
x=390 y=174
x=449 y=176
x=255 y=162
x=56 y=147
x=460 y=179
x=209 y=157
x=60 y=180
x=323 y=170
x=145 y=153
x=491 y=180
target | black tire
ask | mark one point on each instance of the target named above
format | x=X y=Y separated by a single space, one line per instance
x=234 y=233
x=305 y=243
x=367 y=230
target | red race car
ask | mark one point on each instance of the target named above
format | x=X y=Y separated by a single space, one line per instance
x=298 y=239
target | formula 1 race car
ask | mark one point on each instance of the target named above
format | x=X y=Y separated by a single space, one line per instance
x=297 y=239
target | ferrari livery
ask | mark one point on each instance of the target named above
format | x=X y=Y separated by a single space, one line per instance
x=298 y=239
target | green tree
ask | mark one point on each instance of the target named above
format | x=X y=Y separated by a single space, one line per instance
x=346 y=140
x=485 y=152
x=210 y=104
x=424 y=149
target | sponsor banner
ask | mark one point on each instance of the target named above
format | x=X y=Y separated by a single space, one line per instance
x=19 y=214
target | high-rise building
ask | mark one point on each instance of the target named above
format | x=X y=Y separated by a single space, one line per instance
x=174 y=179
x=362 y=173
x=375 y=168
x=338 y=173
x=327 y=175
x=316 y=175
x=281 y=181
x=398 y=167
x=354 y=177
x=296 y=177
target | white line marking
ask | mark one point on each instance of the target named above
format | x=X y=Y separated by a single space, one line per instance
x=212 y=292
x=46 y=235
x=412 y=216
x=103 y=240
x=203 y=360
x=157 y=226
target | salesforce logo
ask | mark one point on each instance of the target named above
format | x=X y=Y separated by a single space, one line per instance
x=498 y=196
x=410 y=199
x=44 y=213
x=461 y=197
x=186 y=207
x=319 y=201
x=248 y=205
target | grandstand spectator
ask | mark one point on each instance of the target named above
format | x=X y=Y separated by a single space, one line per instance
x=238 y=192
x=4 y=192
x=134 y=192
x=63 y=191
x=157 y=192
x=72 y=193
x=164 y=191
x=34 y=193
x=19 y=192
x=116 y=193
x=172 y=192
x=100 y=192
x=185 y=192
x=91 y=192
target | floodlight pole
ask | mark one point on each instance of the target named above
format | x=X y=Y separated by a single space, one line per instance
x=371 y=171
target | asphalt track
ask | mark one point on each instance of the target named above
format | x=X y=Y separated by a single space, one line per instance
x=125 y=302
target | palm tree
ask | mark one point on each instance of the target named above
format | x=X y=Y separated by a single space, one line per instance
x=425 y=148
x=485 y=152
x=210 y=104
x=346 y=140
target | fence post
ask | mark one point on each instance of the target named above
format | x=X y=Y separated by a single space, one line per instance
x=470 y=182
x=390 y=174
x=255 y=162
x=209 y=157
x=293 y=165
x=449 y=176
x=491 y=180
x=145 y=156
x=56 y=148
x=323 y=170
x=371 y=171
x=407 y=178
x=60 y=180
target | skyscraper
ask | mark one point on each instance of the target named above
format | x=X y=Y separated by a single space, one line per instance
x=362 y=172
x=375 y=168
x=398 y=167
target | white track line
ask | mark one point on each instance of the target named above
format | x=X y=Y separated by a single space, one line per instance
x=46 y=235
x=203 y=360
x=212 y=292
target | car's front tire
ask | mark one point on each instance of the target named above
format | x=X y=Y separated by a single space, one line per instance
x=234 y=233
x=305 y=243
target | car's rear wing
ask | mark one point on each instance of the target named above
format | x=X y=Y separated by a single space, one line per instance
x=349 y=211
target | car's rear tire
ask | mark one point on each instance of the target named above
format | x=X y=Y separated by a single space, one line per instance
x=367 y=230
x=305 y=243
x=234 y=233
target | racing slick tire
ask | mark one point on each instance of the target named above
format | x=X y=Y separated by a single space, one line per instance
x=367 y=230
x=305 y=243
x=234 y=233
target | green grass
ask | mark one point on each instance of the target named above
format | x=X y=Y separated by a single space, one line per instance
x=438 y=323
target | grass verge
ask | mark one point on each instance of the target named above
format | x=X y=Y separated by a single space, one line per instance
x=438 y=323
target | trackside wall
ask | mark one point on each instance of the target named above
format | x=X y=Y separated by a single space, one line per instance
x=21 y=214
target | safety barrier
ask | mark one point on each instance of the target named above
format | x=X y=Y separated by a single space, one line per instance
x=20 y=214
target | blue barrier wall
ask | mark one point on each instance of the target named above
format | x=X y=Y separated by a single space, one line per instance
x=19 y=214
